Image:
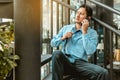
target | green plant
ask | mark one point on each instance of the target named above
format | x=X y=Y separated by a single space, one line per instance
x=7 y=56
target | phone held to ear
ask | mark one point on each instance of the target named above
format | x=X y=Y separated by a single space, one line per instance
x=85 y=18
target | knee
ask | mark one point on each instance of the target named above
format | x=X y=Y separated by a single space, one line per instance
x=101 y=72
x=104 y=71
x=56 y=54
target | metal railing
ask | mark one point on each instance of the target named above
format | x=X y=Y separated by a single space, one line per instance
x=106 y=25
x=111 y=31
x=105 y=6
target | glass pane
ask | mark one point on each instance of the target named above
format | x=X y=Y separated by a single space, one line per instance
x=46 y=31
x=117 y=4
x=54 y=18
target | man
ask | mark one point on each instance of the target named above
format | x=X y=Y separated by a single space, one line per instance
x=78 y=41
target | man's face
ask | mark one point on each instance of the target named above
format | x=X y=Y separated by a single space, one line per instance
x=80 y=15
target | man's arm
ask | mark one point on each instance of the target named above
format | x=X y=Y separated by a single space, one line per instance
x=56 y=41
x=90 y=42
x=61 y=37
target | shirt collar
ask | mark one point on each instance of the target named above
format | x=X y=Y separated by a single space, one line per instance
x=74 y=29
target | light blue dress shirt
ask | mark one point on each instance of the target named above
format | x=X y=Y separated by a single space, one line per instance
x=79 y=46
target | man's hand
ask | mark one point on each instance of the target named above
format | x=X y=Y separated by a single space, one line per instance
x=67 y=35
x=85 y=25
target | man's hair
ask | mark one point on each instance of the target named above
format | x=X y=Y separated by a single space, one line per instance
x=88 y=9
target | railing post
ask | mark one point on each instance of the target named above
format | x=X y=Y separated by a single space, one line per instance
x=108 y=34
x=84 y=1
x=51 y=26
x=111 y=55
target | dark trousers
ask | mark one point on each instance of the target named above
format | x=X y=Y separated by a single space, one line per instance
x=81 y=68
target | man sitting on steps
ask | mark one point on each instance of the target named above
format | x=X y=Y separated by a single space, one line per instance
x=78 y=41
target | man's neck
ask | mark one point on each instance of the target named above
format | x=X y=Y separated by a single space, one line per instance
x=78 y=26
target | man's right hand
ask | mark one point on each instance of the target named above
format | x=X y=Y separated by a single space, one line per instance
x=67 y=35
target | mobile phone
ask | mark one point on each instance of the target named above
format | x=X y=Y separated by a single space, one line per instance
x=87 y=19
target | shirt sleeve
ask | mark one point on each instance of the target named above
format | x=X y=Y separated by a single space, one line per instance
x=56 y=41
x=90 y=41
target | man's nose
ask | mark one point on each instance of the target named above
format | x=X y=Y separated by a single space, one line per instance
x=78 y=15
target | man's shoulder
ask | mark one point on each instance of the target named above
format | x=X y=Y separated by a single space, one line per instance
x=91 y=30
x=67 y=28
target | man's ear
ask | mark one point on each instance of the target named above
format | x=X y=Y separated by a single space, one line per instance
x=89 y=17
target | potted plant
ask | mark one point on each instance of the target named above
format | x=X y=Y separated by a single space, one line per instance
x=7 y=56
